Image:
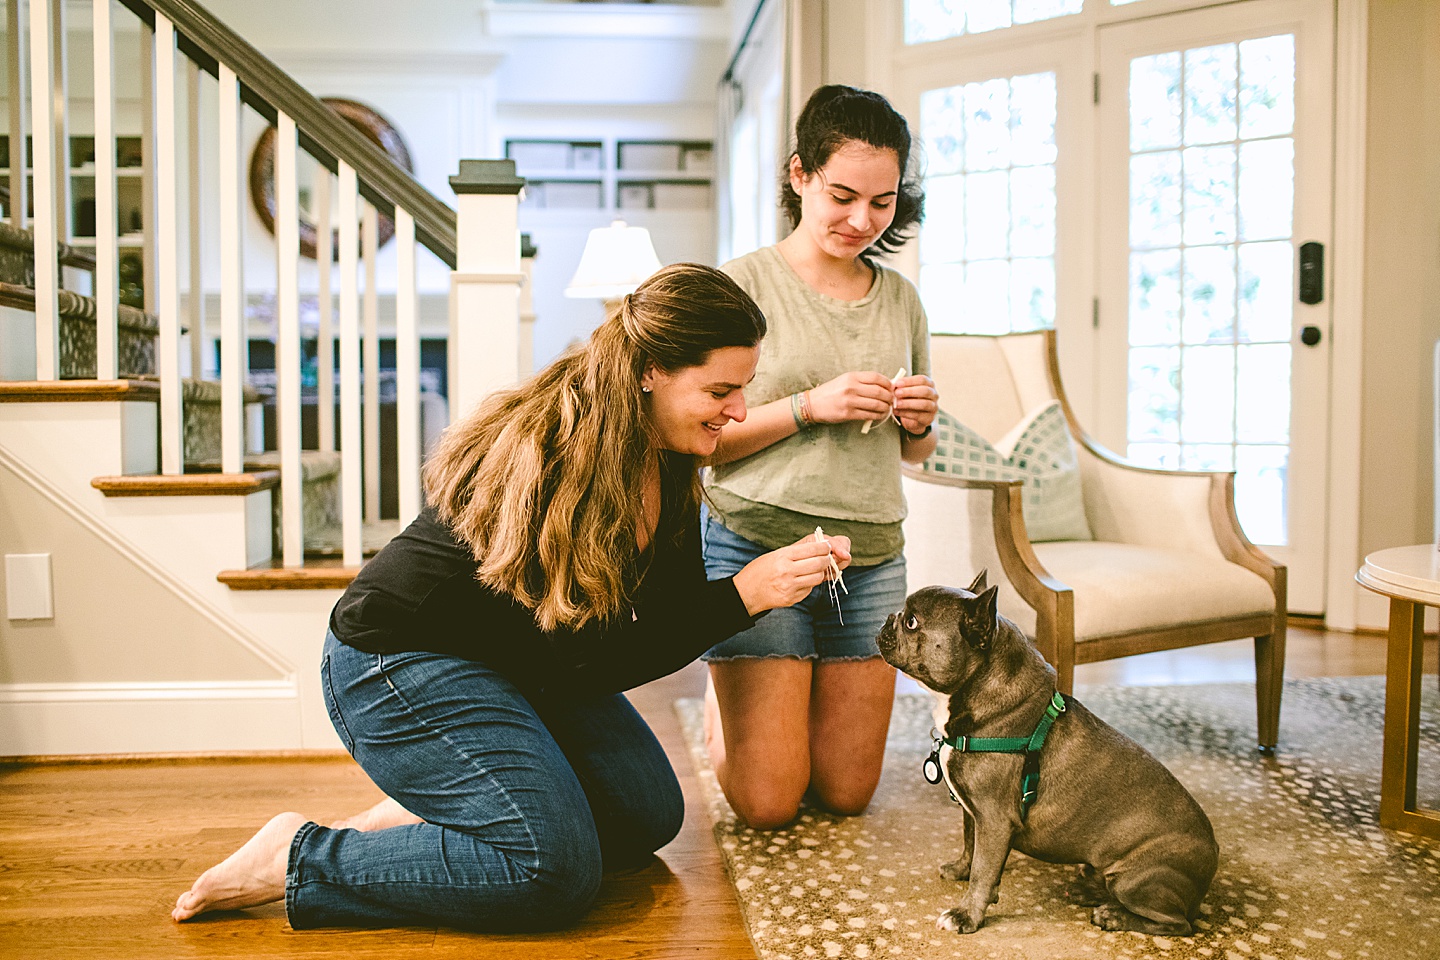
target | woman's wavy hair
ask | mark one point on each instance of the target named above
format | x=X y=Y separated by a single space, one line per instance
x=836 y=115
x=542 y=481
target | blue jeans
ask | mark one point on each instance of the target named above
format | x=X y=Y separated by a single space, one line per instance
x=814 y=628
x=523 y=802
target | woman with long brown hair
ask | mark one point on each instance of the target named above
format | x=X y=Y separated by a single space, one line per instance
x=474 y=667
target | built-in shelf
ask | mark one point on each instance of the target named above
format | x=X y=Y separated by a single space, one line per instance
x=614 y=175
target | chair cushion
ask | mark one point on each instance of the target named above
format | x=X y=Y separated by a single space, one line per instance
x=1039 y=451
x=1123 y=588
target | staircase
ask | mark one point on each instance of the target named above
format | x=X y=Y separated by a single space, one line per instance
x=172 y=581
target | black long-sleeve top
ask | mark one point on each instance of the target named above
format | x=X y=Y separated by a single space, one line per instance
x=420 y=593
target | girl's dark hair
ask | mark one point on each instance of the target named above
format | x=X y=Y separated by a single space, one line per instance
x=835 y=115
x=542 y=480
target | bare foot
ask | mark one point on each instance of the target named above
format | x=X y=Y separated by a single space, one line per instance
x=386 y=813
x=250 y=876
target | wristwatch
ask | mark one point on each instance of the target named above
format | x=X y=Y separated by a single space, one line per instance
x=918 y=436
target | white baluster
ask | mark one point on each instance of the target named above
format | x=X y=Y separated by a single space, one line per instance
x=287 y=342
x=407 y=369
x=325 y=303
x=167 y=251
x=350 y=460
x=107 y=228
x=47 y=264
x=196 y=313
x=232 y=276
x=58 y=79
x=370 y=227
x=15 y=72
x=148 y=256
x=527 y=307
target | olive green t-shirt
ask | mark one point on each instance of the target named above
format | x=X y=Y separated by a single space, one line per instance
x=829 y=475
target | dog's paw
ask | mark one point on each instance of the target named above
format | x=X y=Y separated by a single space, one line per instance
x=1112 y=916
x=956 y=869
x=1087 y=890
x=958 y=920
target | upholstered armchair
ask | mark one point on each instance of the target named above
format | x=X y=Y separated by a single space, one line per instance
x=1167 y=566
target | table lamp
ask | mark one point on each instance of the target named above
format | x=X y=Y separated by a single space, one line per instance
x=616 y=260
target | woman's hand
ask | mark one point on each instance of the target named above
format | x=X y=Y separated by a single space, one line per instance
x=852 y=396
x=784 y=577
x=916 y=403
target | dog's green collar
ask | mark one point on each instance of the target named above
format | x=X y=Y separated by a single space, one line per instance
x=1029 y=746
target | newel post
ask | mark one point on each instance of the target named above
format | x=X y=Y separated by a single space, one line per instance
x=485 y=287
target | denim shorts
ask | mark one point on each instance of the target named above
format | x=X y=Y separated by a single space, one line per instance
x=811 y=629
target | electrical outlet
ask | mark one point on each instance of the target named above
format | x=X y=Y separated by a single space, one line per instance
x=29 y=593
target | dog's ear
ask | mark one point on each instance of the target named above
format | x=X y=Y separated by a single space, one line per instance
x=978 y=584
x=979 y=619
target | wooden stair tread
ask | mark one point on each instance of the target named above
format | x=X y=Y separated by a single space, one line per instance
x=187 y=484
x=49 y=391
x=329 y=573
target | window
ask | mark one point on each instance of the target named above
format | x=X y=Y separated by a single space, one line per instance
x=987 y=246
x=929 y=20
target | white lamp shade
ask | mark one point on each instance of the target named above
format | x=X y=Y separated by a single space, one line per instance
x=617 y=259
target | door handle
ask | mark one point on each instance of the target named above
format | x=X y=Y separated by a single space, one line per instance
x=1309 y=336
x=1312 y=272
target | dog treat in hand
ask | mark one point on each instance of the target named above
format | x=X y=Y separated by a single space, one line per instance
x=832 y=578
x=870 y=423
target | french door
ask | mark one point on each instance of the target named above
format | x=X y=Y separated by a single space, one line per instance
x=1142 y=180
x=1215 y=147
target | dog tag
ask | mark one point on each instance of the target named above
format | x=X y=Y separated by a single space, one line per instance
x=931 y=768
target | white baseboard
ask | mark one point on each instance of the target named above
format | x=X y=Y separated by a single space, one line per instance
x=52 y=719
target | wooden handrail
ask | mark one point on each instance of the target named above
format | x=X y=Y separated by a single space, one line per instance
x=323 y=134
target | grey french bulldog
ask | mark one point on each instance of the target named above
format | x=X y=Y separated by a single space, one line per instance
x=1146 y=850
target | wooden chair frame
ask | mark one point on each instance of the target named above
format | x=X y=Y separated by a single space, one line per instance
x=1054 y=602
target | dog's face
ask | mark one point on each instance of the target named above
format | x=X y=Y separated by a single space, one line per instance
x=942 y=635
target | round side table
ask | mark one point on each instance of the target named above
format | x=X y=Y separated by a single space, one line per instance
x=1410 y=577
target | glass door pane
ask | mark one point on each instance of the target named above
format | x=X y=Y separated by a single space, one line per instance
x=987 y=246
x=1212 y=189
x=1215 y=157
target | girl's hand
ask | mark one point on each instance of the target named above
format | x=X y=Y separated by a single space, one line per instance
x=784 y=577
x=916 y=403
x=851 y=396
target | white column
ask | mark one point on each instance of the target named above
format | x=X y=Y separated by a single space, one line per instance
x=407 y=370
x=107 y=229
x=287 y=342
x=231 y=176
x=47 y=262
x=348 y=214
x=371 y=245
x=167 y=251
x=485 y=287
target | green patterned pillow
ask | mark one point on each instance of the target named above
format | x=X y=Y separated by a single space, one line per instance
x=1038 y=451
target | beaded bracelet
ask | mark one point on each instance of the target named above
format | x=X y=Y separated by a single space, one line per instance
x=800 y=410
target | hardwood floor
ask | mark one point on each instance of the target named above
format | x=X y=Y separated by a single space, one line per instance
x=92 y=855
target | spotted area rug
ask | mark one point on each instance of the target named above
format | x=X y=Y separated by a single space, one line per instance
x=1306 y=873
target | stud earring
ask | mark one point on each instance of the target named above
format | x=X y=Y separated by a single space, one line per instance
x=644 y=389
